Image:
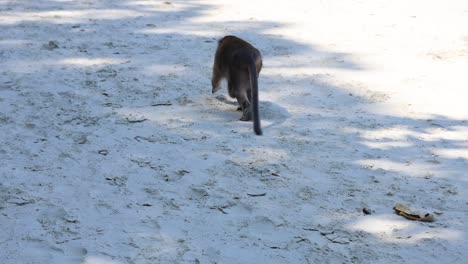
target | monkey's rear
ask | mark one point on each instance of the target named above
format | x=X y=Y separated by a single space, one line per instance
x=240 y=63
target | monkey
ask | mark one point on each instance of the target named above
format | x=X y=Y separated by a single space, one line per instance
x=240 y=64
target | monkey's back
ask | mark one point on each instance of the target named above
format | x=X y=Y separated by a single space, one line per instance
x=233 y=51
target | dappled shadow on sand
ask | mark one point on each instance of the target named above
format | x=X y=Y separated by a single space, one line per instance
x=133 y=77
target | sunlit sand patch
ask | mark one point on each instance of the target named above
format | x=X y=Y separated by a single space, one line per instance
x=65 y=16
x=388 y=227
x=90 y=61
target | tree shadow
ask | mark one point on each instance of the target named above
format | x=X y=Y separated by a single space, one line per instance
x=132 y=77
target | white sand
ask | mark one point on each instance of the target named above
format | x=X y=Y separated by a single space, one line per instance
x=363 y=105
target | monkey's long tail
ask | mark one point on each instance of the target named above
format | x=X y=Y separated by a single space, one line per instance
x=254 y=85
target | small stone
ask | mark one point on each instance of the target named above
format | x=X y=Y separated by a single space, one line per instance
x=51 y=45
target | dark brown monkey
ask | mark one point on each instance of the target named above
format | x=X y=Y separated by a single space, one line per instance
x=239 y=63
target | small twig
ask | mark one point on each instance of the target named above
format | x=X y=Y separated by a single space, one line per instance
x=222 y=211
x=162 y=104
x=334 y=241
x=219 y=209
x=140 y=138
x=301 y=239
x=273 y=247
x=311 y=229
x=256 y=195
x=326 y=234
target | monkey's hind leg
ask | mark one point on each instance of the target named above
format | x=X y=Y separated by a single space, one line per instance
x=238 y=87
x=246 y=114
x=246 y=108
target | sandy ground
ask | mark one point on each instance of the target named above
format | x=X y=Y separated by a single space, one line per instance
x=113 y=149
